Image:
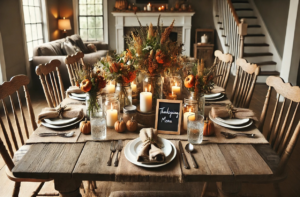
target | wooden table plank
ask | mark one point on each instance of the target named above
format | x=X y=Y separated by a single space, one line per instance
x=269 y=155
x=51 y=161
x=92 y=163
x=128 y=172
x=245 y=162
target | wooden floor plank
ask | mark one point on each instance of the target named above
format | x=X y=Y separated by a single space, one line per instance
x=92 y=163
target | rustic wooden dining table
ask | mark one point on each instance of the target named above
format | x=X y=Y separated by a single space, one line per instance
x=228 y=164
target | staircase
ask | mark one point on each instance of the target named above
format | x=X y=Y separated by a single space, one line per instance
x=258 y=46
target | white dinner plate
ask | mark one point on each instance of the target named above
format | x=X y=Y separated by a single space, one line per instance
x=230 y=126
x=61 y=126
x=133 y=158
x=77 y=98
x=212 y=95
x=216 y=98
x=233 y=121
x=81 y=95
x=59 y=121
x=137 y=144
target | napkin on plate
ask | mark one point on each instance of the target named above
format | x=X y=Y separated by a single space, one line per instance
x=67 y=113
x=239 y=113
x=73 y=89
x=217 y=89
x=150 y=152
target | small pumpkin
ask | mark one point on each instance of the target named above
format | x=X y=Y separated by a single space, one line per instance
x=85 y=127
x=86 y=85
x=208 y=128
x=120 y=126
x=131 y=125
x=189 y=81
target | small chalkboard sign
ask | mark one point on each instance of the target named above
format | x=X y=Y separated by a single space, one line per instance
x=168 y=116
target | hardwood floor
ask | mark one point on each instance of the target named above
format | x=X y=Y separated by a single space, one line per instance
x=289 y=187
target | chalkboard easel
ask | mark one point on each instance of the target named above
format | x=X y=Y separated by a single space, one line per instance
x=168 y=116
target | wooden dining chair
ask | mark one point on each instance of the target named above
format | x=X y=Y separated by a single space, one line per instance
x=223 y=64
x=16 y=150
x=54 y=93
x=244 y=83
x=74 y=64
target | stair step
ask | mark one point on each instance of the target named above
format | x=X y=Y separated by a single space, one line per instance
x=269 y=73
x=257 y=54
x=254 y=26
x=242 y=1
x=266 y=63
x=255 y=35
x=243 y=9
x=256 y=44
x=249 y=17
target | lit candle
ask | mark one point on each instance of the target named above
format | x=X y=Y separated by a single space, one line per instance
x=162 y=8
x=111 y=116
x=172 y=96
x=110 y=88
x=185 y=118
x=145 y=101
x=133 y=87
x=159 y=8
x=176 y=89
x=149 y=7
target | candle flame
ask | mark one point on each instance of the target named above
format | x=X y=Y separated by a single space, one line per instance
x=176 y=84
x=111 y=108
x=149 y=4
x=150 y=88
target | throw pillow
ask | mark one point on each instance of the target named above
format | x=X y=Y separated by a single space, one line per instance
x=76 y=40
x=92 y=48
x=67 y=48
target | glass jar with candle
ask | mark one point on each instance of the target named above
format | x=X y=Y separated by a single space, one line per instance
x=190 y=107
x=153 y=84
x=195 y=124
x=200 y=101
x=110 y=87
x=176 y=85
x=124 y=92
x=111 y=109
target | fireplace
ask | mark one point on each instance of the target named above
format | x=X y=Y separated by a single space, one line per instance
x=127 y=22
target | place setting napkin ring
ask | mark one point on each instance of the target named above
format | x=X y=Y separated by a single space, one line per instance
x=60 y=109
x=231 y=111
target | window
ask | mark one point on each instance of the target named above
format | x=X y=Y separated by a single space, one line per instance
x=33 y=21
x=90 y=19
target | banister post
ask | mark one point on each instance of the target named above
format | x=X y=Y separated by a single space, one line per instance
x=243 y=26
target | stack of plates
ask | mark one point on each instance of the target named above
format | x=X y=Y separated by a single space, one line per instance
x=133 y=148
x=232 y=123
x=57 y=123
x=213 y=97
x=80 y=97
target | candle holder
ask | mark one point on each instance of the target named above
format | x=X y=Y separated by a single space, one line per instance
x=111 y=109
x=172 y=96
x=190 y=107
x=176 y=85
x=124 y=94
x=153 y=84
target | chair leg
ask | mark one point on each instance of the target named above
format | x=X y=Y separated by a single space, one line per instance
x=16 y=189
x=203 y=189
x=277 y=189
x=38 y=189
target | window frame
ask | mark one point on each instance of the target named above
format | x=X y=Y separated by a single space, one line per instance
x=105 y=19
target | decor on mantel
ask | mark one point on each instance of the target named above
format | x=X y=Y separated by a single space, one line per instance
x=121 y=5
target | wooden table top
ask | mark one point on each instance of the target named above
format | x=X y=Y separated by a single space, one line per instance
x=87 y=161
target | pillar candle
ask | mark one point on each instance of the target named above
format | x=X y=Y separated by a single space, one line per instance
x=176 y=90
x=145 y=101
x=149 y=7
x=110 y=88
x=111 y=116
x=185 y=118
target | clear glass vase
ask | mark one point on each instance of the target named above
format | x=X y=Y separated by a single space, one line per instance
x=93 y=104
x=98 y=125
x=124 y=92
x=154 y=84
x=201 y=102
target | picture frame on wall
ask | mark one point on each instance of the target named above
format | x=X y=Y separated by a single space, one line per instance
x=168 y=116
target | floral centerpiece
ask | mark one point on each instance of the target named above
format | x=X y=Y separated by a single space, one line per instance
x=91 y=82
x=155 y=54
x=120 y=68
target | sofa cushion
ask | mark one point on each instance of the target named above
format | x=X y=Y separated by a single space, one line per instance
x=76 y=40
x=56 y=46
x=50 y=49
x=92 y=58
x=67 y=48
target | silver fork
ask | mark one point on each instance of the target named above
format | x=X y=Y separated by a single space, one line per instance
x=119 y=149
x=113 y=150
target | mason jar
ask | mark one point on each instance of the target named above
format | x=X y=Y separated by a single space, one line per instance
x=124 y=92
x=153 y=84
x=111 y=109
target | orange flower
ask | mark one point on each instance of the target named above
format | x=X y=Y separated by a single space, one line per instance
x=152 y=67
x=129 y=54
x=101 y=82
x=115 y=67
x=130 y=77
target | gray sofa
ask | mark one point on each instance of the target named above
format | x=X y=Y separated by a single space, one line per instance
x=55 y=50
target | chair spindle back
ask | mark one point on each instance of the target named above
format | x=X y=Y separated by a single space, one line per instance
x=279 y=133
x=74 y=63
x=223 y=64
x=7 y=89
x=244 y=83
x=46 y=72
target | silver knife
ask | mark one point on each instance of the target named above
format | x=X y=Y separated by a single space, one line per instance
x=184 y=160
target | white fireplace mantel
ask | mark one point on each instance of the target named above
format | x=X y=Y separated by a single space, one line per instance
x=128 y=19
